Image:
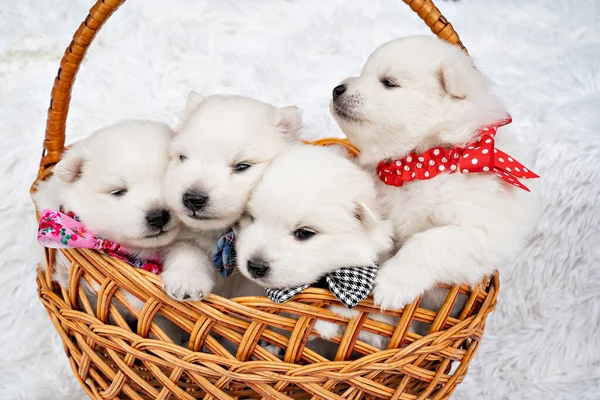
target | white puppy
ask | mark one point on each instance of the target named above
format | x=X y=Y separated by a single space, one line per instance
x=313 y=212
x=415 y=94
x=217 y=157
x=113 y=181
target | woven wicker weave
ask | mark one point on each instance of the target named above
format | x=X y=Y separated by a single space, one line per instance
x=118 y=362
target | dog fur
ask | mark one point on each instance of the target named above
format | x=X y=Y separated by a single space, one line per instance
x=218 y=155
x=413 y=94
x=312 y=188
x=113 y=180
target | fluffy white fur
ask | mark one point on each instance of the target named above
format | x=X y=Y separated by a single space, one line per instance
x=114 y=182
x=220 y=152
x=542 y=340
x=312 y=189
x=218 y=155
x=413 y=94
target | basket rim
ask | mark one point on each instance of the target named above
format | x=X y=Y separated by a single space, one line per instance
x=300 y=303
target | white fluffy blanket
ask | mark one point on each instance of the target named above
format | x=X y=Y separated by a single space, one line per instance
x=543 y=340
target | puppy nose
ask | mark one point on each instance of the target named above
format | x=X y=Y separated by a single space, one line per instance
x=338 y=91
x=194 y=200
x=258 y=268
x=158 y=218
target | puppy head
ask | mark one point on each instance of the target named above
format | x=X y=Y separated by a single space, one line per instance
x=413 y=93
x=220 y=153
x=113 y=181
x=313 y=212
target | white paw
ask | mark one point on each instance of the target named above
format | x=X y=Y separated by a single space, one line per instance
x=327 y=330
x=187 y=284
x=390 y=293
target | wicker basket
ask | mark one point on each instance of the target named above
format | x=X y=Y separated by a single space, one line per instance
x=117 y=361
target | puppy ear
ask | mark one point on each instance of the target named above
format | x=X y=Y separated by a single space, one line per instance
x=70 y=167
x=365 y=216
x=289 y=121
x=452 y=81
x=193 y=101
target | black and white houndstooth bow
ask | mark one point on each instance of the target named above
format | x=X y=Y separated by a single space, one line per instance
x=350 y=285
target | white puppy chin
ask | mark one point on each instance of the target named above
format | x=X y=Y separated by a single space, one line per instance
x=154 y=242
x=280 y=283
x=208 y=224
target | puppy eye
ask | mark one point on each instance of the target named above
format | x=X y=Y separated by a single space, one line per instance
x=304 y=233
x=241 y=167
x=388 y=83
x=118 y=192
x=182 y=158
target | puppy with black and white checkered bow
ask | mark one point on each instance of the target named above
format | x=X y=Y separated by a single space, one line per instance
x=313 y=220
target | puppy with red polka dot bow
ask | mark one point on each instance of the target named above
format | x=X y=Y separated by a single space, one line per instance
x=425 y=121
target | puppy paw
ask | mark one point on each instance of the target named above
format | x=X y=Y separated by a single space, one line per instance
x=187 y=284
x=327 y=330
x=188 y=274
x=392 y=293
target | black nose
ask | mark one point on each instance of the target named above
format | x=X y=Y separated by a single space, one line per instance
x=338 y=91
x=194 y=200
x=158 y=218
x=258 y=268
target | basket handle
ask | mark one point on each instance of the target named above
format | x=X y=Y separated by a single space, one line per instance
x=54 y=142
x=434 y=19
x=60 y=98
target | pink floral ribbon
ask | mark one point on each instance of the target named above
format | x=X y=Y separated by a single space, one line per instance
x=58 y=230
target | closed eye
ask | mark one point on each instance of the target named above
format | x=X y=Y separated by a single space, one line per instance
x=389 y=83
x=304 y=233
x=240 y=167
x=118 y=192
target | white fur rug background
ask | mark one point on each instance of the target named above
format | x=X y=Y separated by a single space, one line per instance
x=543 y=341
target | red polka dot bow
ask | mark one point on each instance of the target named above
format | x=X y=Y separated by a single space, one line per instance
x=478 y=156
